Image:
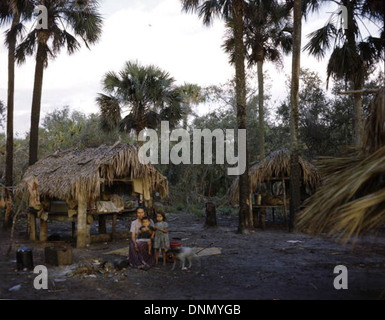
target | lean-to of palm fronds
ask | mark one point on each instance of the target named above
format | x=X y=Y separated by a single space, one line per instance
x=351 y=199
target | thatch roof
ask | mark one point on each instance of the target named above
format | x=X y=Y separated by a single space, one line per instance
x=68 y=174
x=276 y=166
x=351 y=200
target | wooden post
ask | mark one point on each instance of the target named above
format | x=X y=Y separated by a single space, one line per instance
x=73 y=229
x=88 y=234
x=90 y=221
x=81 y=240
x=43 y=230
x=363 y=91
x=284 y=199
x=211 y=216
x=263 y=218
x=255 y=216
x=102 y=224
x=32 y=226
x=114 y=221
x=8 y=211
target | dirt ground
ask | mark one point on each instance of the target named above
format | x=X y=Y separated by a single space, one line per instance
x=267 y=264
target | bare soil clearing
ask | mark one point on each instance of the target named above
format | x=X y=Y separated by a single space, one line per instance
x=269 y=264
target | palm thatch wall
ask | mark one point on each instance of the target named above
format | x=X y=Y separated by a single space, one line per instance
x=276 y=166
x=351 y=200
x=71 y=174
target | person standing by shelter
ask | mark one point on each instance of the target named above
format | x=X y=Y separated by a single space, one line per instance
x=138 y=254
x=161 y=241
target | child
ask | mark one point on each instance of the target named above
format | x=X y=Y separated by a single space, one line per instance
x=146 y=233
x=161 y=237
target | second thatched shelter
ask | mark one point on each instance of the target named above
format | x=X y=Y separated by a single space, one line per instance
x=276 y=167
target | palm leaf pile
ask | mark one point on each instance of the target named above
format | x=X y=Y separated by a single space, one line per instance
x=70 y=174
x=276 y=166
x=351 y=199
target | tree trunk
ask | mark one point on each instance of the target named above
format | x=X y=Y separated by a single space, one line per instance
x=185 y=116
x=10 y=105
x=36 y=105
x=261 y=110
x=81 y=238
x=357 y=77
x=294 y=161
x=8 y=210
x=211 y=215
x=43 y=234
x=383 y=42
x=245 y=212
x=358 y=116
x=102 y=224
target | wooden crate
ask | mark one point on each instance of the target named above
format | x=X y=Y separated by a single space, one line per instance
x=58 y=255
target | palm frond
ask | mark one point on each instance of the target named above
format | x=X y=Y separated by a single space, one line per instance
x=320 y=40
x=110 y=81
x=375 y=9
x=61 y=38
x=128 y=123
x=109 y=111
x=27 y=47
x=375 y=47
x=350 y=201
x=15 y=32
x=190 y=5
x=6 y=13
x=211 y=9
x=344 y=63
x=86 y=23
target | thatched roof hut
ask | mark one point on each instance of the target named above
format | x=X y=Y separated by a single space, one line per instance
x=69 y=174
x=276 y=166
x=351 y=200
x=79 y=179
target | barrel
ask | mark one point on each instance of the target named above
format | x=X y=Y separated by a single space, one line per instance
x=175 y=244
x=170 y=255
x=24 y=259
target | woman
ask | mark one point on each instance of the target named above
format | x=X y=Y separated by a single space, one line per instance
x=138 y=254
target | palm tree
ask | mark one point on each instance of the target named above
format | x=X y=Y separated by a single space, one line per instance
x=294 y=101
x=267 y=36
x=5 y=13
x=352 y=56
x=11 y=12
x=234 y=9
x=20 y=10
x=191 y=94
x=375 y=9
x=79 y=17
x=147 y=92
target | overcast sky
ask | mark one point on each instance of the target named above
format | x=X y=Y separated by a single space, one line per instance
x=151 y=32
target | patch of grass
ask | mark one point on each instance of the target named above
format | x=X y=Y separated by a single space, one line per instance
x=170 y=209
x=195 y=209
x=227 y=211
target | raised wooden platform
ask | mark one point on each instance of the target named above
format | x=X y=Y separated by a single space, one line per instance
x=63 y=217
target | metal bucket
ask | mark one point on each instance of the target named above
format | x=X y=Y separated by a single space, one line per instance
x=175 y=244
x=169 y=254
x=24 y=259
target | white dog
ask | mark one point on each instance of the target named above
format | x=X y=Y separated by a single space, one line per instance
x=184 y=253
